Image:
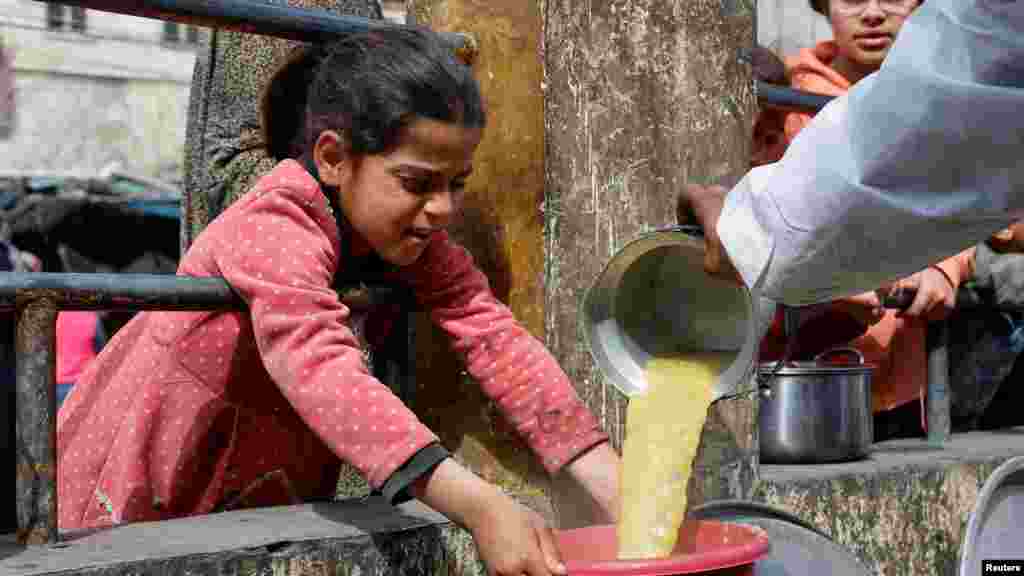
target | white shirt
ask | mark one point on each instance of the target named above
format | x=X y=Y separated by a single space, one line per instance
x=915 y=163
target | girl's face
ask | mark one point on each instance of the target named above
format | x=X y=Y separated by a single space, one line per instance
x=396 y=201
x=864 y=30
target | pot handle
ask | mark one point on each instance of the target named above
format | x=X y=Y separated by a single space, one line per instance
x=690 y=229
x=840 y=350
x=899 y=300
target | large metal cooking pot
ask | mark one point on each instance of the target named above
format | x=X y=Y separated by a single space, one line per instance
x=815 y=412
x=654 y=299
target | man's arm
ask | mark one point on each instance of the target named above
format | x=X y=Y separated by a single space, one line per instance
x=916 y=163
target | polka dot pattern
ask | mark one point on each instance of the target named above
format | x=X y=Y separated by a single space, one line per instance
x=513 y=367
x=192 y=412
x=183 y=412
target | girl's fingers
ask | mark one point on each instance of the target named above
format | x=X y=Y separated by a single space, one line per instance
x=549 y=550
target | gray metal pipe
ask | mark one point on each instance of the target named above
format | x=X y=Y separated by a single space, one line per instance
x=786 y=98
x=149 y=292
x=302 y=24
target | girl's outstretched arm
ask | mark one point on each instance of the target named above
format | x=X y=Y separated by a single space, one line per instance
x=511 y=538
x=514 y=368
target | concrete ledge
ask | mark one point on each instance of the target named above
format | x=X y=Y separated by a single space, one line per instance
x=366 y=537
x=904 y=509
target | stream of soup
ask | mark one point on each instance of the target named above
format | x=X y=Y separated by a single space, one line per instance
x=663 y=429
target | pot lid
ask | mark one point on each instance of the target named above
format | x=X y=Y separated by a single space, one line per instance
x=812 y=368
x=830 y=361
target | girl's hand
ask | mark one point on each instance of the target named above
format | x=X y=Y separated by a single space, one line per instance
x=511 y=539
x=936 y=295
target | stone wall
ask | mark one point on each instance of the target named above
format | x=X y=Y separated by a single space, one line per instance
x=903 y=510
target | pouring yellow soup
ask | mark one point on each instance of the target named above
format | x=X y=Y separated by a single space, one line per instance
x=663 y=429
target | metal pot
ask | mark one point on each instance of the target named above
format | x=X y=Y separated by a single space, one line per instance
x=654 y=299
x=813 y=412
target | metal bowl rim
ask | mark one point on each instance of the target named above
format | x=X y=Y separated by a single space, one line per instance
x=630 y=252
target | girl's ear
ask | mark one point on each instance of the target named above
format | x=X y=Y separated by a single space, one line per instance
x=283 y=103
x=333 y=158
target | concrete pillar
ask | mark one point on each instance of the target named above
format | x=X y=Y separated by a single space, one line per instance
x=642 y=96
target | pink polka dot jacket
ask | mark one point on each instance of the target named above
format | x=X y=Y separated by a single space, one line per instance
x=192 y=412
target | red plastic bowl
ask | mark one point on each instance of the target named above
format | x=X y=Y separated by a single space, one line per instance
x=704 y=547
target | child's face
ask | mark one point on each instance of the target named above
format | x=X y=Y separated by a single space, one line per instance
x=395 y=201
x=864 y=30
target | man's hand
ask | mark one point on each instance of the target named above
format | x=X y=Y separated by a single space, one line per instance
x=702 y=205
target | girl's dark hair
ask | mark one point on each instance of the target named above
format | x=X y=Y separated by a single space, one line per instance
x=367 y=86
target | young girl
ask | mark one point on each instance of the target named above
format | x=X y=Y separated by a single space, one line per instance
x=191 y=413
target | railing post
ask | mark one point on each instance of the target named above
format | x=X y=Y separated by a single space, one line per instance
x=937 y=400
x=37 y=421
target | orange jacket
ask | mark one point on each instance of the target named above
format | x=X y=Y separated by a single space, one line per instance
x=896 y=346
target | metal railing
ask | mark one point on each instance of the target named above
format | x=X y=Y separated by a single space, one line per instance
x=36 y=299
x=302 y=24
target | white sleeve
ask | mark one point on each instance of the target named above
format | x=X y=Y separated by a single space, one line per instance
x=915 y=163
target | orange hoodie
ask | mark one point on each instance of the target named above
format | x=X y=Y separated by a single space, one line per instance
x=896 y=346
